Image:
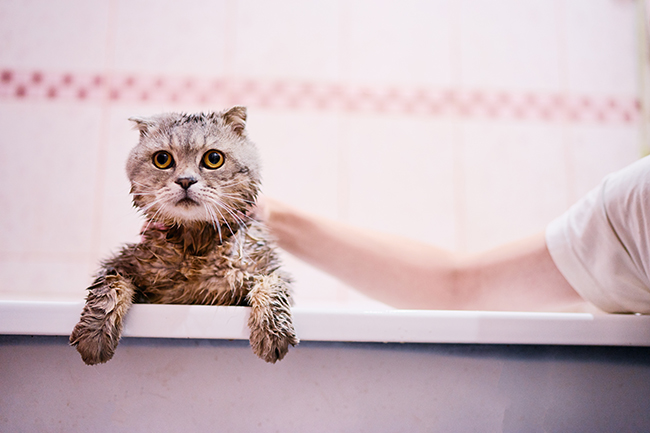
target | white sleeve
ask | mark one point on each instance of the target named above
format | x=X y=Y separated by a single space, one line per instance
x=601 y=244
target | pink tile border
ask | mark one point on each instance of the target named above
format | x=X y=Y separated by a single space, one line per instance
x=289 y=94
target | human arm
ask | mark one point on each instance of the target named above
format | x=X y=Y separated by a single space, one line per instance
x=410 y=274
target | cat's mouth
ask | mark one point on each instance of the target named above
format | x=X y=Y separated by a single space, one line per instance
x=186 y=202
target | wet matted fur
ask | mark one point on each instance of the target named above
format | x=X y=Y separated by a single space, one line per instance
x=195 y=178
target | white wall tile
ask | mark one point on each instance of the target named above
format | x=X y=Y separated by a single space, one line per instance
x=48 y=157
x=299 y=157
x=597 y=150
x=351 y=298
x=400 y=173
x=509 y=45
x=406 y=42
x=169 y=37
x=63 y=35
x=515 y=180
x=601 y=47
x=311 y=286
x=485 y=182
x=120 y=222
x=314 y=288
x=47 y=277
x=286 y=39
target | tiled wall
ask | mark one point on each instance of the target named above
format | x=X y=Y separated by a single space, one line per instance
x=463 y=123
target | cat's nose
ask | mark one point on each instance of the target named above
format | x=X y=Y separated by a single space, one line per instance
x=186 y=182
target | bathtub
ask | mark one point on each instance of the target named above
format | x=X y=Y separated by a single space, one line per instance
x=189 y=368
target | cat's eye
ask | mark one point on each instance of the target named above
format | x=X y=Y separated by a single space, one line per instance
x=163 y=160
x=213 y=159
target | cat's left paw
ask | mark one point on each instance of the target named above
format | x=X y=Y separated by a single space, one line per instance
x=95 y=346
x=270 y=346
x=270 y=320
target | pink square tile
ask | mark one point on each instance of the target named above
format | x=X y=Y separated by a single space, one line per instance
x=515 y=180
x=286 y=39
x=407 y=42
x=601 y=46
x=62 y=35
x=400 y=176
x=169 y=37
x=509 y=44
x=49 y=162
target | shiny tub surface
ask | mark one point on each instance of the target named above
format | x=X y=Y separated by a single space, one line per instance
x=189 y=368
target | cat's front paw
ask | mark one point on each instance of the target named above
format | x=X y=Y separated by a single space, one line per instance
x=270 y=320
x=94 y=345
x=100 y=326
x=270 y=346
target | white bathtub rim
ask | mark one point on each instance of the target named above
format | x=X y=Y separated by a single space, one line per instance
x=34 y=317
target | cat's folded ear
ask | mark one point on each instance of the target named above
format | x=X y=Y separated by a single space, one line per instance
x=143 y=124
x=236 y=118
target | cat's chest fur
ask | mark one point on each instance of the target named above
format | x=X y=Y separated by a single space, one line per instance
x=179 y=266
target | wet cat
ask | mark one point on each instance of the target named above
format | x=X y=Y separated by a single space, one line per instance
x=195 y=178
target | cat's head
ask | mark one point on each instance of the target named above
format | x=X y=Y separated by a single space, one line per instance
x=190 y=168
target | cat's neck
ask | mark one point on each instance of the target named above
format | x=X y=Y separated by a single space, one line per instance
x=194 y=238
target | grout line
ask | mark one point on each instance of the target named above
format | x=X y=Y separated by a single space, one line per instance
x=104 y=131
x=343 y=177
x=459 y=186
x=566 y=132
x=643 y=39
x=343 y=41
x=230 y=37
x=458 y=154
x=343 y=170
x=41 y=256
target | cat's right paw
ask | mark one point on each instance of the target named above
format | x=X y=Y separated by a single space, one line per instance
x=94 y=345
x=272 y=347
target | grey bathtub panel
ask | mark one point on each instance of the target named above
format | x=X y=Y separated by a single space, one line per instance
x=167 y=385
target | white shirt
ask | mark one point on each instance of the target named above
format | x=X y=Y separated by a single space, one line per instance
x=602 y=244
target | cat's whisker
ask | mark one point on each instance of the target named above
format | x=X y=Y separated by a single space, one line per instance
x=218 y=205
x=153 y=218
x=242 y=227
x=236 y=197
x=149 y=206
x=207 y=211
x=237 y=215
x=233 y=183
x=229 y=210
x=163 y=201
x=158 y=212
x=215 y=220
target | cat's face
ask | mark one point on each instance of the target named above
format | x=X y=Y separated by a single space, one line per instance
x=194 y=168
